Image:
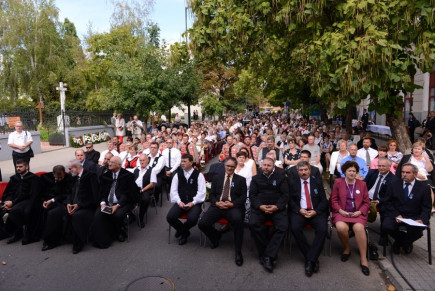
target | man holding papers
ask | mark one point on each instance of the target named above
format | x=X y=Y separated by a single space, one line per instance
x=409 y=199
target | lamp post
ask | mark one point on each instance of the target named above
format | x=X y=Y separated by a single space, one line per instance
x=62 y=90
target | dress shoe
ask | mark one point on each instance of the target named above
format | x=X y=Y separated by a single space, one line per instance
x=121 y=238
x=316 y=266
x=308 y=268
x=16 y=237
x=182 y=241
x=396 y=248
x=267 y=264
x=364 y=269
x=215 y=244
x=46 y=247
x=77 y=249
x=141 y=224
x=239 y=259
x=345 y=257
x=408 y=249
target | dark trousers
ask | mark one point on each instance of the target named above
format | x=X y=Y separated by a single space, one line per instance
x=319 y=224
x=192 y=218
x=266 y=247
x=234 y=215
x=78 y=224
x=53 y=218
x=145 y=199
x=20 y=156
x=19 y=216
x=391 y=227
x=106 y=227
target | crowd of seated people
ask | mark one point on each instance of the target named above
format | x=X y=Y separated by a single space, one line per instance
x=270 y=172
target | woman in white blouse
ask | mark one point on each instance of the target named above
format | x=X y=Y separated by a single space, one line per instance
x=336 y=157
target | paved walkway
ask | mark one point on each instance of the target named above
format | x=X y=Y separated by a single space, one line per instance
x=197 y=267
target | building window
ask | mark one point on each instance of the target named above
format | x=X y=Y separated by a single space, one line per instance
x=408 y=105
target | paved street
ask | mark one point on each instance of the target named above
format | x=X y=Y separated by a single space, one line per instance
x=190 y=267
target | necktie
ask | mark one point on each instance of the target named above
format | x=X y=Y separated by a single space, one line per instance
x=112 y=190
x=406 y=191
x=170 y=159
x=367 y=158
x=226 y=191
x=307 y=196
x=378 y=185
x=76 y=191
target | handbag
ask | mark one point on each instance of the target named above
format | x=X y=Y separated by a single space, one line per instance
x=30 y=151
x=372 y=212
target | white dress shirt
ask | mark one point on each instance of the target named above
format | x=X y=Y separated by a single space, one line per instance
x=103 y=154
x=362 y=153
x=372 y=190
x=139 y=180
x=175 y=158
x=200 y=195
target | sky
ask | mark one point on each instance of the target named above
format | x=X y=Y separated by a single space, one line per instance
x=168 y=14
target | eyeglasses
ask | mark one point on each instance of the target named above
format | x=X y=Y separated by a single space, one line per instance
x=88 y=147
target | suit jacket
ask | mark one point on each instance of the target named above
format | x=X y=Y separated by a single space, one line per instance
x=419 y=207
x=371 y=178
x=272 y=190
x=126 y=190
x=100 y=171
x=57 y=190
x=217 y=169
x=90 y=166
x=317 y=193
x=338 y=197
x=238 y=190
x=87 y=194
x=292 y=173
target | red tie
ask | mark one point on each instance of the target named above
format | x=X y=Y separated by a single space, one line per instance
x=307 y=196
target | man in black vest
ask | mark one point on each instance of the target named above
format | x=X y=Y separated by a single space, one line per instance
x=268 y=194
x=118 y=193
x=187 y=193
x=408 y=199
x=305 y=156
x=227 y=198
x=56 y=187
x=19 y=200
x=157 y=162
x=145 y=180
x=308 y=205
x=80 y=204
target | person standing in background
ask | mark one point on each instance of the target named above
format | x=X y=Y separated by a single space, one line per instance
x=120 y=127
x=20 y=142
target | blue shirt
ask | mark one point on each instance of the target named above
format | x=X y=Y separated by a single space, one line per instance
x=361 y=163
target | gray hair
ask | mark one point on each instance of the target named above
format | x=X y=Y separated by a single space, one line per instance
x=385 y=159
x=303 y=164
x=75 y=163
x=414 y=167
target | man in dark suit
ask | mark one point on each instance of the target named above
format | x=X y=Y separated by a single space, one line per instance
x=269 y=197
x=227 y=199
x=118 y=192
x=91 y=154
x=80 y=204
x=56 y=187
x=88 y=165
x=187 y=193
x=104 y=168
x=18 y=204
x=145 y=179
x=408 y=199
x=308 y=205
x=365 y=119
x=305 y=156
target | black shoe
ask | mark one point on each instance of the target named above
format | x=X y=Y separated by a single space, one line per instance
x=215 y=244
x=408 y=249
x=316 y=266
x=364 y=269
x=121 y=238
x=16 y=237
x=77 y=249
x=46 y=247
x=373 y=252
x=396 y=248
x=267 y=264
x=239 y=259
x=141 y=224
x=345 y=257
x=182 y=241
x=308 y=268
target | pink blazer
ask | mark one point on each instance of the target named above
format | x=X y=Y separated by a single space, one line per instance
x=338 y=197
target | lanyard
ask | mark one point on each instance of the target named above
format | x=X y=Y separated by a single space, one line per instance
x=351 y=193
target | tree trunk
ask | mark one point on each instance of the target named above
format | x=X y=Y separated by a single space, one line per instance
x=348 y=120
x=399 y=132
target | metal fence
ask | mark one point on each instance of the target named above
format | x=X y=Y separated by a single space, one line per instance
x=52 y=120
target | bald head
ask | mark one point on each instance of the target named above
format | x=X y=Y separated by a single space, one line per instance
x=115 y=164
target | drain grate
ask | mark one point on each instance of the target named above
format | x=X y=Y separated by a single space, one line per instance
x=154 y=283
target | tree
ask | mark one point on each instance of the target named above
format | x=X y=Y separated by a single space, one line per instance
x=341 y=51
